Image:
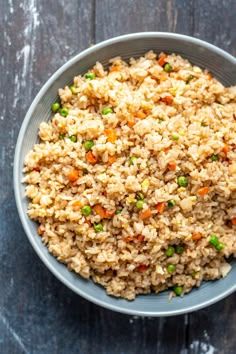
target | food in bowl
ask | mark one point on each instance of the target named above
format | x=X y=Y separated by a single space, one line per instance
x=133 y=183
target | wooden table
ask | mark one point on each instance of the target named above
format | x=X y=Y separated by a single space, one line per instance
x=37 y=313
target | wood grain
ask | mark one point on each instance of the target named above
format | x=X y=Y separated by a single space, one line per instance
x=37 y=313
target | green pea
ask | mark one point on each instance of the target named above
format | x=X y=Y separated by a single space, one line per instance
x=214 y=241
x=160 y=120
x=220 y=246
x=167 y=68
x=189 y=79
x=73 y=138
x=62 y=136
x=139 y=196
x=175 y=137
x=178 y=290
x=90 y=76
x=214 y=157
x=88 y=144
x=171 y=268
x=132 y=159
x=182 y=181
x=171 y=203
x=139 y=204
x=64 y=112
x=179 y=249
x=86 y=210
x=118 y=211
x=98 y=227
x=73 y=89
x=106 y=110
x=169 y=251
x=55 y=107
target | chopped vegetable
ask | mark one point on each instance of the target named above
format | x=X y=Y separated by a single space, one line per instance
x=171 y=203
x=40 y=231
x=139 y=204
x=160 y=207
x=219 y=247
x=214 y=241
x=90 y=76
x=128 y=239
x=99 y=210
x=162 y=60
x=145 y=185
x=175 y=137
x=111 y=159
x=197 y=236
x=203 y=125
x=55 y=107
x=142 y=267
x=140 y=238
x=225 y=149
x=171 y=268
x=118 y=211
x=63 y=111
x=114 y=68
x=233 y=221
x=141 y=115
x=189 y=79
x=131 y=123
x=145 y=214
x=178 y=290
x=88 y=144
x=139 y=196
x=179 y=249
x=76 y=203
x=98 y=227
x=214 y=157
x=73 y=89
x=86 y=210
x=62 y=136
x=111 y=135
x=172 y=166
x=90 y=157
x=209 y=76
x=203 y=190
x=132 y=159
x=167 y=68
x=108 y=214
x=160 y=120
x=73 y=175
x=73 y=138
x=169 y=251
x=182 y=181
x=167 y=99
x=106 y=110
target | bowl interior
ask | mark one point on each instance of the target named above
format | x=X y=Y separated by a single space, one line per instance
x=219 y=63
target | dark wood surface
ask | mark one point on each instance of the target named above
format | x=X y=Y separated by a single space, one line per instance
x=37 y=313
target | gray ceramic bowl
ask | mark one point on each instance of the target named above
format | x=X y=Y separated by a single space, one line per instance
x=220 y=64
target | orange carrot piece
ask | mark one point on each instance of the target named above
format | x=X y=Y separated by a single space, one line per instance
x=142 y=267
x=99 y=210
x=209 y=76
x=203 y=190
x=128 y=239
x=167 y=99
x=90 y=157
x=233 y=221
x=160 y=207
x=111 y=135
x=197 y=236
x=108 y=214
x=145 y=214
x=73 y=175
x=114 y=68
x=172 y=166
x=131 y=123
x=162 y=60
x=40 y=231
x=141 y=115
x=225 y=149
x=166 y=150
x=76 y=204
x=140 y=238
x=111 y=159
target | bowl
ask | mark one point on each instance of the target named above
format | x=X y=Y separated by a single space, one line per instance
x=221 y=64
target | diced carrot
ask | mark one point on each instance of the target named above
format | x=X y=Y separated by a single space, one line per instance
x=111 y=135
x=128 y=239
x=233 y=221
x=90 y=157
x=73 y=175
x=40 y=231
x=203 y=190
x=162 y=60
x=142 y=267
x=114 y=68
x=172 y=166
x=166 y=150
x=167 y=99
x=209 y=76
x=76 y=204
x=99 y=210
x=145 y=214
x=111 y=159
x=163 y=77
x=160 y=207
x=141 y=115
x=140 y=238
x=108 y=214
x=131 y=123
x=197 y=236
x=225 y=148
x=37 y=169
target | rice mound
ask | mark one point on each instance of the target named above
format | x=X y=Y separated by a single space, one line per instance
x=162 y=123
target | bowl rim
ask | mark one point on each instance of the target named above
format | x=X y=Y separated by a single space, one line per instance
x=17 y=168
